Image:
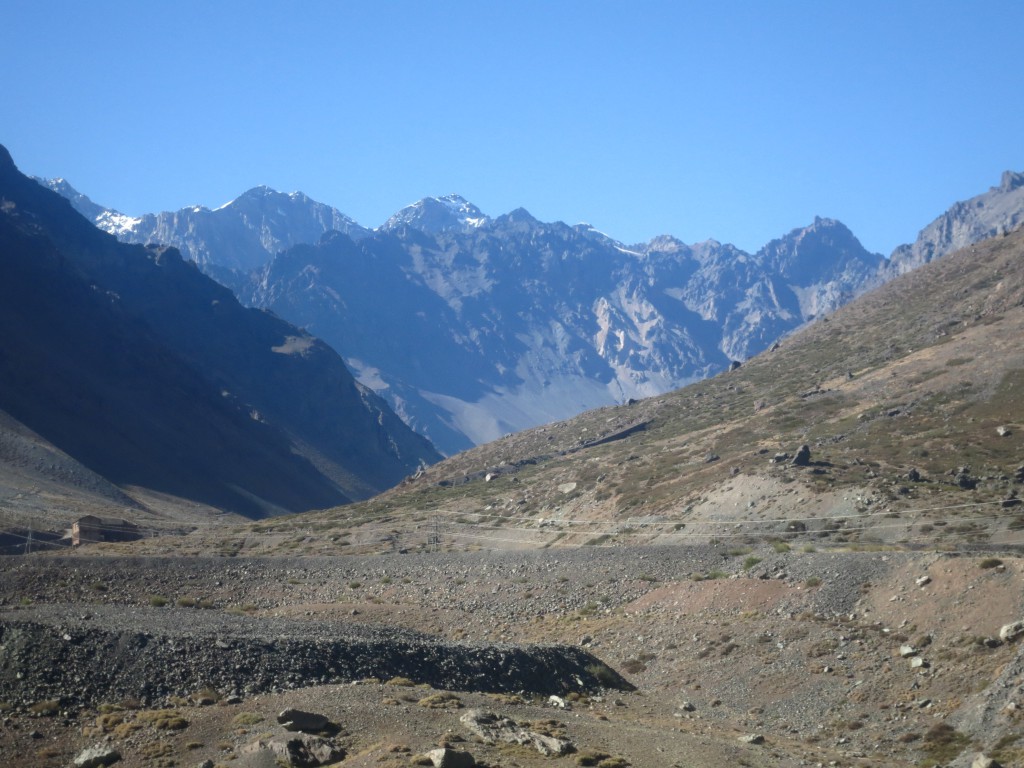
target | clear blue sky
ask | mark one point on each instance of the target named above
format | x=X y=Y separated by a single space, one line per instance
x=732 y=120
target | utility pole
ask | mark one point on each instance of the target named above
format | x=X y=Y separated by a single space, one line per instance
x=434 y=539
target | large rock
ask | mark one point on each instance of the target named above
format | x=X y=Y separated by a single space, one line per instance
x=306 y=722
x=303 y=751
x=1012 y=631
x=97 y=756
x=803 y=456
x=491 y=728
x=450 y=758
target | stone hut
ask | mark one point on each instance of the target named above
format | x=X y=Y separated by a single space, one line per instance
x=91 y=529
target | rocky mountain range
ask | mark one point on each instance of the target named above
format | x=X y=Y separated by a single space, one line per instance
x=242 y=234
x=812 y=559
x=472 y=327
x=139 y=372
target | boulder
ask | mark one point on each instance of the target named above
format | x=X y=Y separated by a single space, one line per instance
x=306 y=722
x=965 y=481
x=303 y=751
x=802 y=457
x=907 y=651
x=450 y=758
x=752 y=738
x=95 y=757
x=1012 y=631
x=983 y=761
x=491 y=728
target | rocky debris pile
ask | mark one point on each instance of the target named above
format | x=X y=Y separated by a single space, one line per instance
x=313 y=747
x=44 y=654
x=303 y=751
x=491 y=729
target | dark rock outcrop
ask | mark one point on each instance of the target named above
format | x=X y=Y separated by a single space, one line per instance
x=150 y=374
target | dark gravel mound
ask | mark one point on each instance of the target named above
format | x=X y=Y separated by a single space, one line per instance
x=107 y=656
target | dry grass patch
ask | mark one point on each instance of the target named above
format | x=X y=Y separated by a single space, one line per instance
x=441 y=700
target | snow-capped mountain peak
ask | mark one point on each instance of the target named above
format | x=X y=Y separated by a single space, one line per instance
x=438 y=214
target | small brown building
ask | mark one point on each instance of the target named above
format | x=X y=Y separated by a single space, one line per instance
x=91 y=529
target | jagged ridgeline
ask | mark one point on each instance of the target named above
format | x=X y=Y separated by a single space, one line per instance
x=473 y=326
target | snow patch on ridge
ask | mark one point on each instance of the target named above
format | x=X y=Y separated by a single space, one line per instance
x=116 y=223
x=367 y=375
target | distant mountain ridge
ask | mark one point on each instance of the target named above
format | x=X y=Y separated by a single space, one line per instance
x=998 y=211
x=472 y=326
x=472 y=332
x=132 y=362
x=242 y=234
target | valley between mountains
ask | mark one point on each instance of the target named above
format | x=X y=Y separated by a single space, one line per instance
x=808 y=558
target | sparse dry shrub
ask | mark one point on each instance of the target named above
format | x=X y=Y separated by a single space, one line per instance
x=512 y=698
x=441 y=700
x=404 y=682
x=244 y=719
x=604 y=675
x=633 y=666
x=591 y=757
x=163 y=719
x=822 y=648
x=47 y=708
x=942 y=743
x=156 y=749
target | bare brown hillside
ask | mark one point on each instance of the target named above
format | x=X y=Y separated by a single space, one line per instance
x=910 y=400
